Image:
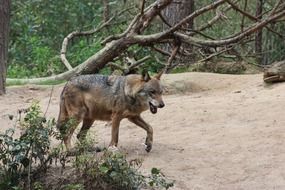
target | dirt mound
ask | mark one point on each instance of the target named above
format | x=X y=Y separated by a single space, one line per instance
x=216 y=131
x=188 y=83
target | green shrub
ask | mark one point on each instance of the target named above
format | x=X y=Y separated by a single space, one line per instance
x=24 y=161
x=112 y=170
x=20 y=156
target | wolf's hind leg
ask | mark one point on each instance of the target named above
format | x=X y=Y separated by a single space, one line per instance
x=69 y=132
x=66 y=124
x=87 y=123
x=71 y=122
x=141 y=123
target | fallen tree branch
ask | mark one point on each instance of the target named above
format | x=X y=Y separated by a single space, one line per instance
x=110 y=51
x=77 y=34
x=116 y=45
x=83 y=33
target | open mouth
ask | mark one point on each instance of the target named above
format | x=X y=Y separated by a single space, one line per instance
x=153 y=109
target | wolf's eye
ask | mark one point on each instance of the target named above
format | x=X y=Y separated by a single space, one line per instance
x=152 y=92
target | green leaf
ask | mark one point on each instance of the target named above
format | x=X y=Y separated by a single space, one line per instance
x=155 y=171
x=104 y=169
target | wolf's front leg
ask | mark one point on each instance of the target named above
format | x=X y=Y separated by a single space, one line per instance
x=116 y=119
x=141 y=123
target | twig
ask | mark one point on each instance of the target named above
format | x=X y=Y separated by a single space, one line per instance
x=276 y=6
x=164 y=20
x=195 y=14
x=51 y=92
x=215 y=19
x=134 y=64
x=243 y=16
x=233 y=39
x=161 y=51
x=214 y=54
x=137 y=63
x=255 y=18
x=116 y=66
x=159 y=61
x=142 y=7
x=169 y=65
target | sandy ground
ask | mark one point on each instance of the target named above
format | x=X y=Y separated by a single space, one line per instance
x=216 y=131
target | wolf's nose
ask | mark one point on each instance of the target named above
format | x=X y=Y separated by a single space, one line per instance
x=161 y=105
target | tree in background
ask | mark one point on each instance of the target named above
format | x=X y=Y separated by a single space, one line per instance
x=174 y=13
x=4 y=34
x=106 y=11
x=224 y=31
x=258 y=35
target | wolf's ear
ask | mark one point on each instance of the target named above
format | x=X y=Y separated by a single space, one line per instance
x=158 y=75
x=145 y=76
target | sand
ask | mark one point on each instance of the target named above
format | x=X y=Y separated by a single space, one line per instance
x=215 y=132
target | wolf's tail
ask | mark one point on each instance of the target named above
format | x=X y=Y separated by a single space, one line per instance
x=63 y=114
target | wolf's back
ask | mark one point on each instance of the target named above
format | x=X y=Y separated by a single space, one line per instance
x=85 y=82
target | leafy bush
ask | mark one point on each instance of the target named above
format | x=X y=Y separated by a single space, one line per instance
x=19 y=156
x=111 y=170
x=24 y=161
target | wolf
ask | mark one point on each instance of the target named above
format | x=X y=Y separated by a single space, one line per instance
x=108 y=98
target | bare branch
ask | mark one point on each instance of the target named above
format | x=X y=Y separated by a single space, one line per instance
x=127 y=69
x=215 y=54
x=139 y=62
x=149 y=15
x=161 y=51
x=163 y=20
x=116 y=37
x=169 y=65
x=236 y=38
x=195 y=14
x=276 y=6
x=243 y=16
x=142 y=7
x=253 y=17
x=76 y=34
x=214 y=20
x=116 y=45
x=159 y=36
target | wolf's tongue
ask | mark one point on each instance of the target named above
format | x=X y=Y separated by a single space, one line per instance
x=153 y=109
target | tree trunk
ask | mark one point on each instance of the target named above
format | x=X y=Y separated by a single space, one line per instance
x=4 y=34
x=106 y=11
x=174 y=13
x=258 y=35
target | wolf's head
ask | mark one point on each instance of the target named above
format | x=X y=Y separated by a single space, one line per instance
x=153 y=90
x=147 y=89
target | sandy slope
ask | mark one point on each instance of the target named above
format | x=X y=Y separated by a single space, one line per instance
x=225 y=132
